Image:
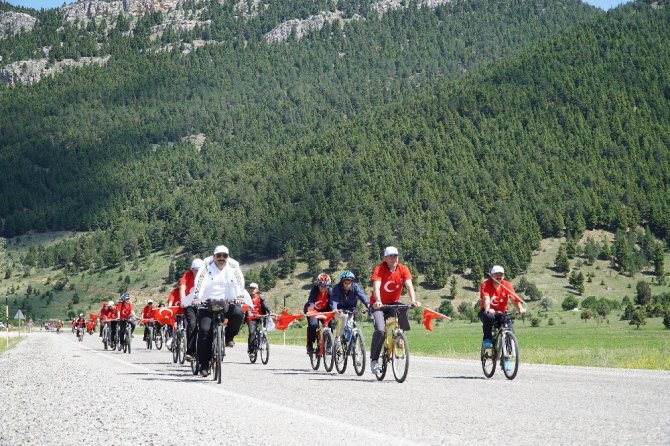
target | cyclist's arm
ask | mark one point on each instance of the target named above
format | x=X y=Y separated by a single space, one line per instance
x=487 y=304
x=362 y=296
x=376 y=296
x=411 y=292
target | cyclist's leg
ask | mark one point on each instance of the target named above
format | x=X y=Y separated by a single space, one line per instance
x=122 y=330
x=379 y=322
x=204 y=346
x=235 y=318
x=191 y=330
x=146 y=331
x=312 y=324
x=487 y=324
x=252 y=333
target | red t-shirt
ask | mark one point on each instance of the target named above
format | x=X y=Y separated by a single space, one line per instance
x=173 y=299
x=148 y=312
x=321 y=302
x=125 y=310
x=499 y=297
x=187 y=279
x=107 y=313
x=256 y=299
x=80 y=323
x=391 y=282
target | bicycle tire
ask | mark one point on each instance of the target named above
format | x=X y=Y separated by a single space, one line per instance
x=175 y=354
x=488 y=358
x=315 y=356
x=340 y=353
x=148 y=337
x=381 y=373
x=358 y=353
x=400 y=356
x=253 y=353
x=182 y=347
x=219 y=352
x=328 y=351
x=129 y=338
x=195 y=366
x=264 y=348
x=158 y=339
x=510 y=350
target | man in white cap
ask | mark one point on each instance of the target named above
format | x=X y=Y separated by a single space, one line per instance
x=190 y=310
x=220 y=281
x=388 y=279
x=494 y=295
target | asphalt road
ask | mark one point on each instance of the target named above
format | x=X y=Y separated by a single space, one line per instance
x=59 y=391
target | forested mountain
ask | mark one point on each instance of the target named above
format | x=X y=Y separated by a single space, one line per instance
x=393 y=130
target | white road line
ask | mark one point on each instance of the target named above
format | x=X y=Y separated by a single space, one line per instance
x=294 y=411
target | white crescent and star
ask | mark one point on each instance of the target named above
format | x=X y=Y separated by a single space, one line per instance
x=387 y=284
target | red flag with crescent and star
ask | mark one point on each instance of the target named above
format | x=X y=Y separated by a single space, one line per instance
x=429 y=316
x=90 y=325
x=92 y=317
x=285 y=319
x=165 y=315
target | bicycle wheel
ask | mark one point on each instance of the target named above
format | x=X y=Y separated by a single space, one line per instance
x=358 y=353
x=400 y=356
x=264 y=347
x=340 y=354
x=158 y=339
x=328 y=351
x=219 y=352
x=315 y=357
x=129 y=337
x=488 y=357
x=253 y=350
x=175 y=353
x=148 y=340
x=510 y=355
x=182 y=347
x=195 y=366
x=383 y=358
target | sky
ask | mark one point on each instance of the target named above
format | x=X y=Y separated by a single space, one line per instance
x=37 y=4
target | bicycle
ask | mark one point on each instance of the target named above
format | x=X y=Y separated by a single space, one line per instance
x=179 y=340
x=149 y=336
x=80 y=334
x=505 y=348
x=218 y=341
x=127 y=341
x=349 y=341
x=261 y=342
x=106 y=341
x=324 y=342
x=396 y=347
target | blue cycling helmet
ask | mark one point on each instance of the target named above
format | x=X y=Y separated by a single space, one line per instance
x=125 y=296
x=347 y=275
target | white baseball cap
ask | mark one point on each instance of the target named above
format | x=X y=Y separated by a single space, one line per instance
x=150 y=301
x=497 y=269
x=221 y=249
x=253 y=285
x=196 y=264
x=390 y=251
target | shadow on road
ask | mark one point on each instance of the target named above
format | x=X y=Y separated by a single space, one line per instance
x=459 y=377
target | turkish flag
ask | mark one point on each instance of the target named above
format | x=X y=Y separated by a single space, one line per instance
x=285 y=319
x=324 y=316
x=429 y=315
x=90 y=325
x=92 y=317
x=165 y=315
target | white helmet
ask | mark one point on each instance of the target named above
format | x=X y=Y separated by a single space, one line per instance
x=149 y=302
x=110 y=303
x=497 y=269
x=253 y=285
x=196 y=264
x=81 y=314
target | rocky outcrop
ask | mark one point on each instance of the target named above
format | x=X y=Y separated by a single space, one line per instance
x=14 y=22
x=32 y=71
x=301 y=28
x=177 y=25
x=246 y=9
x=384 y=6
x=97 y=9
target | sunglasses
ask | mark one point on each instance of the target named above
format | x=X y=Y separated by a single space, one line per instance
x=392 y=255
x=221 y=255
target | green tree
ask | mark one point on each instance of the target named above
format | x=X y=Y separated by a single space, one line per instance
x=453 y=287
x=638 y=319
x=643 y=296
x=569 y=303
x=561 y=262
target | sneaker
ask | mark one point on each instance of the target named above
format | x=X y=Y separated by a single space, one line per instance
x=374 y=367
x=204 y=373
x=487 y=343
x=188 y=358
x=310 y=350
x=507 y=365
x=230 y=344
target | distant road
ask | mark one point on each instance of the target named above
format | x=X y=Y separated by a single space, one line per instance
x=57 y=390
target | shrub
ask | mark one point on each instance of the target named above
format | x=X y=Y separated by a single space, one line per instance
x=570 y=303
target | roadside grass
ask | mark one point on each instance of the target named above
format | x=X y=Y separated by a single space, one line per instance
x=4 y=346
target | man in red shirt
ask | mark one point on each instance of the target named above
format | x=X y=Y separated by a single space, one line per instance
x=126 y=316
x=106 y=313
x=388 y=279
x=253 y=315
x=148 y=313
x=494 y=294
x=190 y=309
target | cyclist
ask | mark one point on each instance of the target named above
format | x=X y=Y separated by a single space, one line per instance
x=108 y=311
x=319 y=300
x=494 y=294
x=221 y=282
x=190 y=308
x=252 y=316
x=388 y=279
x=80 y=322
x=148 y=313
x=126 y=315
x=346 y=292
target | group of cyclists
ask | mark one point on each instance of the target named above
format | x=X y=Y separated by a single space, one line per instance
x=218 y=281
